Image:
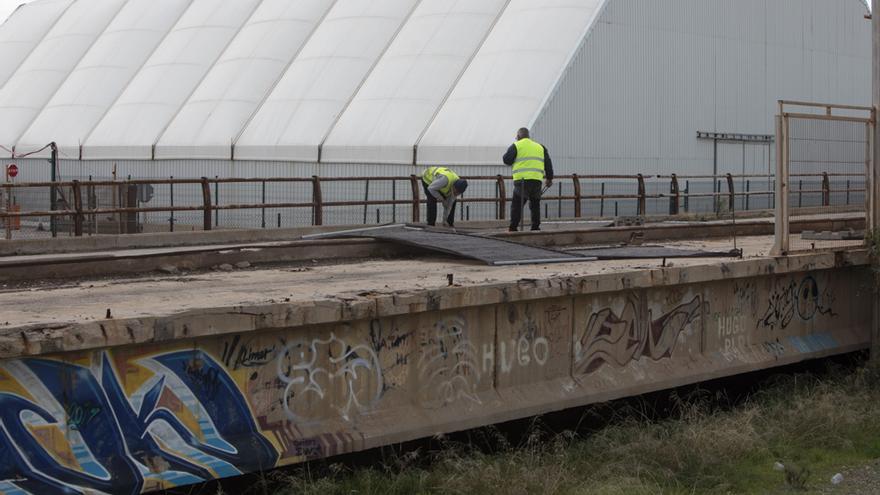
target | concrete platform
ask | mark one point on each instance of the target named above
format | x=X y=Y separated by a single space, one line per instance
x=166 y=380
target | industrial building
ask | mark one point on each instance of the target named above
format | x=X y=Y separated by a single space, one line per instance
x=336 y=87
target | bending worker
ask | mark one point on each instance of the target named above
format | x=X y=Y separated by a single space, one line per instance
x=442 y=186
x=531 y=166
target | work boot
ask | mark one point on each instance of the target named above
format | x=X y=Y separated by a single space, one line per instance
x=536 y=229
x=512 y=229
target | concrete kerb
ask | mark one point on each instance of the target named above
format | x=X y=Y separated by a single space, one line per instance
x=35 y=340
x=756 y=225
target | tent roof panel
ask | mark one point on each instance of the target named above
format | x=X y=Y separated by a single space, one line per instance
x=408 y=85
x=300 y=111
x=232 y=91
x=508 y=81
x=24 y=29
x=134 y=123
x=46 y=68
x=103 y=73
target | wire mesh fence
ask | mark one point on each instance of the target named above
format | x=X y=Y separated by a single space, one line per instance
x=826 y=161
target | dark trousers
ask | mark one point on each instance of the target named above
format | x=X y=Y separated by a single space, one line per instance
x=432 y=208
x=526 y=190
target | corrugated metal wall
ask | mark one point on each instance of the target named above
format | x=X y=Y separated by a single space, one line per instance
x=651 y=74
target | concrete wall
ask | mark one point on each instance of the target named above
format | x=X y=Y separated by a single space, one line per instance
x=224 y=401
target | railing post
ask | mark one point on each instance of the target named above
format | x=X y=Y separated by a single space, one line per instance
x=206 y=203
x=687 y=196
x=576 y=182
x=53 y=191
x=414 y=184
x=748 y=194
x=317 y=201
x=366 y=199
x=171 y=202
x=731 y=194
x=675 y=199
x=642 y=200
x=7 y=221
x=78 y=209
x=781 y=186
x=502 y=198
x=826 y=190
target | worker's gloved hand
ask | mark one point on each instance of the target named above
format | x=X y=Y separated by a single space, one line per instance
x=548 y=183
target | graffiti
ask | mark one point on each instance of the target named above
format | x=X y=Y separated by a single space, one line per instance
x=746 y=295
x=116 y=441
x=804 y=299
x=316 y=373
x=79 y=415
x=205 y=376
x=619 y=339
x=398 y=353
x=774 y=348
x=729 y=324
x=448 y=367
x=523 y=352
x=236 y=355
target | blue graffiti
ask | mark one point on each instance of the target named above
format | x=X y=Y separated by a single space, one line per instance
x=114 y=442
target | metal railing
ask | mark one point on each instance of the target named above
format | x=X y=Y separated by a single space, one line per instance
x=76 y=200
x=838 y=138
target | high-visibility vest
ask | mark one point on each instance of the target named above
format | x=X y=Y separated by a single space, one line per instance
x=529 y=164
x=433 y=172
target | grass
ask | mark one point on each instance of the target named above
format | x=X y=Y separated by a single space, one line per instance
x=814 y=424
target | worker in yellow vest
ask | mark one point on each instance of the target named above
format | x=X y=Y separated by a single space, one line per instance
x=531 y=167
x=442 y=185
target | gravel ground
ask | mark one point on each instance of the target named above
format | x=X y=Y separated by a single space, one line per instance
x=862 y=480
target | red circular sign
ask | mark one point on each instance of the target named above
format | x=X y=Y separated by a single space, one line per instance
x=12 y=170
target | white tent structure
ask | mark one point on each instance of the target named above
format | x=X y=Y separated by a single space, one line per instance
x=335 y=87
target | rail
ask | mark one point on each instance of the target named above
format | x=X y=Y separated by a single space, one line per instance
x=724 y=195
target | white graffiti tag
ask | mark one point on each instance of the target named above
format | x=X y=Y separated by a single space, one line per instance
x=449 y=365
x=330 y=374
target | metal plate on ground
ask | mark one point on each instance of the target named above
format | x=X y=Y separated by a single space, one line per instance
x=652 y=252
x=488 y=250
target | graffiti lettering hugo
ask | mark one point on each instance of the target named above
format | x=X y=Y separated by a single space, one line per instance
x=526 y=347
x=804 y=299
x=117 y=437
x=615 y=339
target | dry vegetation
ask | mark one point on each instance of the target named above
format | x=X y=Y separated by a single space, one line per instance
x=814 y=424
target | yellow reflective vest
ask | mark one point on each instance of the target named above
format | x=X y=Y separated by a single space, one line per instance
x=529 y=164
x=431 y=174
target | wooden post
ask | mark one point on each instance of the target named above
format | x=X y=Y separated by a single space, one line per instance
x=675 y=195
x=78 y=209
x=206 y=203
x=416 y=200
x=577 y=195
x=642 y=200
x=502 y=197
x=317 y=201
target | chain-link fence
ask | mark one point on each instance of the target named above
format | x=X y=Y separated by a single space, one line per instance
x=826 y=160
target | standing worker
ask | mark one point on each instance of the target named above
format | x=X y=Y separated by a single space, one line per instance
x=531 y=166
x=442 y=186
